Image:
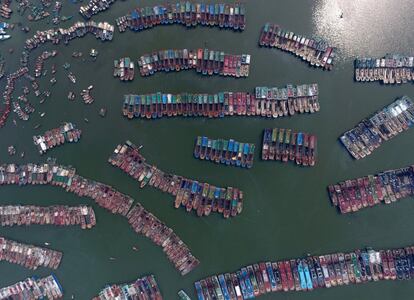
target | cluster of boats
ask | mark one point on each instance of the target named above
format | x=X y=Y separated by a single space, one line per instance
x=5 y=10
x=309 y=273
x=158 y=105
x=3 y=34
x=316 y=51
x=228 y=152
x=8 y=91
x=143 y=288
x=124 y=68
x=40 y=61
x=106 y=197
x=189 y=193
x=33 y=288
x=289 y=145
x=87 y=96
x=102 y=30
x=370 y=133
x=93 y=7
x=28 y=256
x=204 y=61
x=145 y=223
x=390 y=69
x=232 y=16
x=290 y=100
x=57 y=215
x=66 y=133
x=387 y=187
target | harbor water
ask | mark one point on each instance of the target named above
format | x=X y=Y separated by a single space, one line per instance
x=286 y=212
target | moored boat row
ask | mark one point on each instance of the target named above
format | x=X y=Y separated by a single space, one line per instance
x=309 y=273
x=143 y=288
x=204 y=61
x=316 y=51
x=288 y=145
x=102 y=30
x=5 y=10
x=370 y=133
x=390 y=69
x=8 y=91
x=384 y=187
x=40 y=61
x=106 y=197
x=145 y=223
x=228 y=152
x=124 y=69
x=67 y=133
x=57 y=215
x=33 y=288
x=158 y=105
x=290 y=100
x=231 y=16
x=28 y=256
x=93 y=7
x=191 y=194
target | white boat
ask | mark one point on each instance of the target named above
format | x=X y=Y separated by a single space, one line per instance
x=4 y=37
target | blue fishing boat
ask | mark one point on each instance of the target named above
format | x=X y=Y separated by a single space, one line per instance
x=309 y=285
x=249 y=285
x=302 y=278
x=246 y=149
x=271 y=275
x=243 y=288
x=199 y=291
x=223 y=286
